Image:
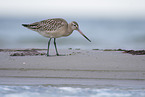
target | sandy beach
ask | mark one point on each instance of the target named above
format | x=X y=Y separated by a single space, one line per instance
x=77 y=68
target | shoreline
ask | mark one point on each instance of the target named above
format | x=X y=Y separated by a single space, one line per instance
x=77 y=68
x=35 y=52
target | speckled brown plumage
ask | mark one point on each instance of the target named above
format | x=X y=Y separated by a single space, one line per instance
x=47 y=25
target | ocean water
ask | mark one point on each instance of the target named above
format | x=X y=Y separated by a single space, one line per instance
x=49 y=91
x=104 y=34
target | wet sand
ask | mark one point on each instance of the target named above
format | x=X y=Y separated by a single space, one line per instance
x=76 y=68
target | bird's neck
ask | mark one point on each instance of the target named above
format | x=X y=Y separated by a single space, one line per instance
x=69 y=29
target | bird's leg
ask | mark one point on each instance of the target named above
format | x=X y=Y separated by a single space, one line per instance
x=48 y=47
x=56 y=48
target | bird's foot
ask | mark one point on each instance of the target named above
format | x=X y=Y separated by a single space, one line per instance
x=56 y=55
x=60 y=55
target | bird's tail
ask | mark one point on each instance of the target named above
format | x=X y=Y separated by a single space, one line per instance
x=25 y=25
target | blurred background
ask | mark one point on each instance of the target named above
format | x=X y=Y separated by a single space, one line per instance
x=109 y=24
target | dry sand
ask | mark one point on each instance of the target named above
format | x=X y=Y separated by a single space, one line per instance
x=77 y=68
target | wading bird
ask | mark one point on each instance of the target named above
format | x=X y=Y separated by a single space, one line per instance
x=54 y=28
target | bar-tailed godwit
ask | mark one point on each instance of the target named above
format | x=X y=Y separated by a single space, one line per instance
x=54 y=28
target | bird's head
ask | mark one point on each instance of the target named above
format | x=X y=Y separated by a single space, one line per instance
x=75 y=26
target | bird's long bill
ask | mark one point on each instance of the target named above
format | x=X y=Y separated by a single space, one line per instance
x=84 y=35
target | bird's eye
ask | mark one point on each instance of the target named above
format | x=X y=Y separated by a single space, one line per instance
x=75 y=25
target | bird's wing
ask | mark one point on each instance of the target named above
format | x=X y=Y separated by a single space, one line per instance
x=48 y=25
